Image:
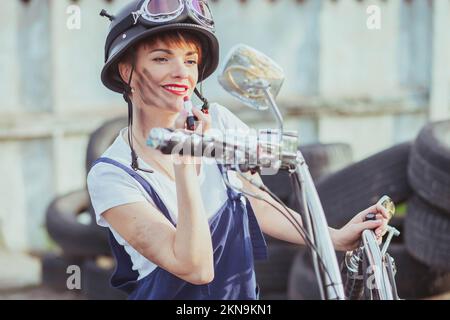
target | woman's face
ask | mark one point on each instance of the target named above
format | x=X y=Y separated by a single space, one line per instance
x=165 y=74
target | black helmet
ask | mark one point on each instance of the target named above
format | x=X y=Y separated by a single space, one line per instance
x=127 y=29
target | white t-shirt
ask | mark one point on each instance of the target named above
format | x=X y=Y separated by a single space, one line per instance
x=110 y=186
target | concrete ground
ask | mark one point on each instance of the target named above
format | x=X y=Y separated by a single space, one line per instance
x=20 y=279
x=18 y=270
x=38 y=293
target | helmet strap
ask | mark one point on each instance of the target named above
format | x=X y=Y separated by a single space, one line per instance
x=126 y=96
x=205 y=106
x=199 y=94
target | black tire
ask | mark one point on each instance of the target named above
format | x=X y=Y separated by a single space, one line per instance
x=414 y=279
x=345 y=193
x=96 y=282
x=279 y=184
x=75 y=238
x=434 y=145
x=102 y=138
x=427 y=234
x=321 y=158
x=429 y=168
x=272 y=274
x=302 y=281
x=54 y=271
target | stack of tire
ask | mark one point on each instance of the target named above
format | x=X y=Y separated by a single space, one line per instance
x=415 y=174
x=427 y=227
x=272 y=274
x=70 y=222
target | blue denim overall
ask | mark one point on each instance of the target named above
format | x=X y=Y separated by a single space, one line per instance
x=236 y=238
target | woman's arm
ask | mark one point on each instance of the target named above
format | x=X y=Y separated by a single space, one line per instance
x=185 y=251
x=274 y=224
x=193 y=243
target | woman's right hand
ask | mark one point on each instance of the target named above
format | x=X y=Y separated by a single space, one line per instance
x=202 y=125
x=180 y=121
x=180 y=124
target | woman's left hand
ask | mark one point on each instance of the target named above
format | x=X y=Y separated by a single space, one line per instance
x=349 y=236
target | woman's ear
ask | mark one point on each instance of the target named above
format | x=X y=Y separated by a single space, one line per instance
x=124 y=71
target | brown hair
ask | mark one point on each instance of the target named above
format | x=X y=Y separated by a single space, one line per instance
x=174 y=38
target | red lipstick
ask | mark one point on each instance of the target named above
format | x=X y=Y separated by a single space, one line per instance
x=190 y=120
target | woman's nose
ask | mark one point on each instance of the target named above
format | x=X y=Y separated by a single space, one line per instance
x=180 y=69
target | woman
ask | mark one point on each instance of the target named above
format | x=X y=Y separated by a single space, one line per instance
x=177 y=231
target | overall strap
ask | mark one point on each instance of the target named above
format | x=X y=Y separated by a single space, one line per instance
x=258 y=242
x=144 y=183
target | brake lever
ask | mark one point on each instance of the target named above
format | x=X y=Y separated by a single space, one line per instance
x=391 y=232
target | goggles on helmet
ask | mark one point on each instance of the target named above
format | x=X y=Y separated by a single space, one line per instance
x=155 y=12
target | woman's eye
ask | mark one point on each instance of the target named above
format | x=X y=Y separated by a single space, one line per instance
x=192 y=61
x=160 y=59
